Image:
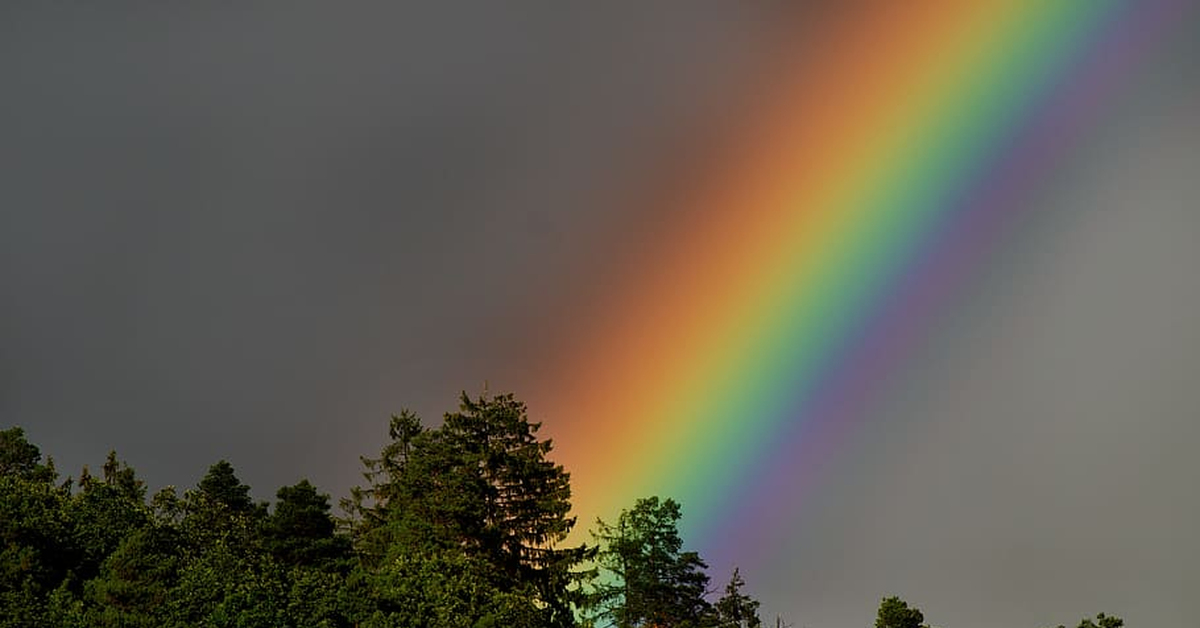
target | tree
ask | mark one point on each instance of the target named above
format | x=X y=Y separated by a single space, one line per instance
x=222 y=575
x=896 y=613
x=137 y=579
x=222 y=486
x=21 y=458
x=648 y=579
x=1102 y=621
x=103 y=512
x=481 y=486
x=448 y=589
x=219 y=511
x=38 y=551
x=225 y=585
x=523 y=498
x=735 y=609
x=300 y=531
x=387 y=494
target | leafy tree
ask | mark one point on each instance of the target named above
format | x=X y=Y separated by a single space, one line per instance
x=104 y=512
x=321 y=598
x=224 y=575
x=648 y=579
x=37 y=548
x=219 y=511
x=896 y=613
x=226 y=586
x=136 y=580
x=21 y=458
x=448 y=589
x=736 y=609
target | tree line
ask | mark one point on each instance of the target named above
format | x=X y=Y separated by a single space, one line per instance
x=462 y=525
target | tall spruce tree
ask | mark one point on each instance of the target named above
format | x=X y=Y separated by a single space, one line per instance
x=481 y=485
x=649 y=580
x=523 y=497
x=373 y=510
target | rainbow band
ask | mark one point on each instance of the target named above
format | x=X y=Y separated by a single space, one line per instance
x=731 y=367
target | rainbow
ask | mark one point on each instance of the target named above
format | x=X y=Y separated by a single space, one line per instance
x=725 y=366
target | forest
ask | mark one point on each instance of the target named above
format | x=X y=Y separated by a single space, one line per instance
x=462 y=525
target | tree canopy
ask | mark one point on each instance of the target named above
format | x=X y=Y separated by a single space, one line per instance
x=464 y=524
x=896 y=613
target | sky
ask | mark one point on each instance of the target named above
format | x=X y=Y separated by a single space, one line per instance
x=252 y=234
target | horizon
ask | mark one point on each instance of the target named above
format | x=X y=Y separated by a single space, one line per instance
x=247 y=234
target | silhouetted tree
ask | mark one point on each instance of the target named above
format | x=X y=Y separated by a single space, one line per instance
x=103 y=512
x=736 y=609
x=300 y=532
x=480 y=485
x=21 y=458
x=648 y=579
x=221 y=485
x=390 y=491
x=896 y=613
x=1102 y=621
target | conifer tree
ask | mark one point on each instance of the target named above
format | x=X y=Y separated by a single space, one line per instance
x=221 y=485
x=736 y=609
x=300 y=532
x=387 y=493
x=649 y=580
x=482 y=486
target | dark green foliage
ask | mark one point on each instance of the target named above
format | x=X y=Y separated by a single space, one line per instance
x=459 y=526
x=649 y=580
x=896 y=613
x=104 y=512
x=480 y=487
x=320 y=598
x=137 y=579
x=36 y=549
x=20 y=458
x=221 y=486
x=448 y=589
x=389 y=492
x=225 y=586
x=55 y=541
x=516 y=503
x=219 y=513
x=300 y=532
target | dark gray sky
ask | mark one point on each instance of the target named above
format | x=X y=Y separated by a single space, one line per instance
x=252 y=233
x=249 y=233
